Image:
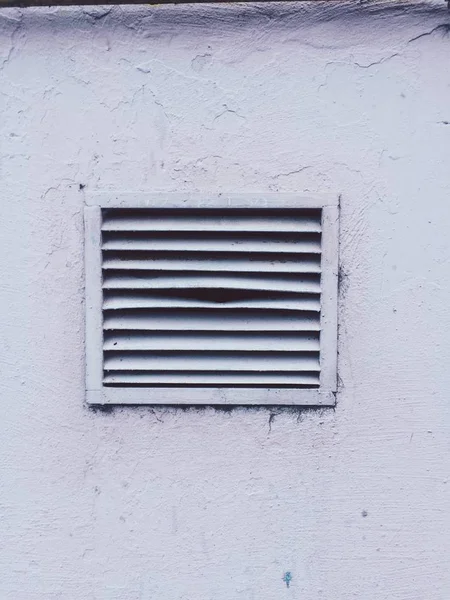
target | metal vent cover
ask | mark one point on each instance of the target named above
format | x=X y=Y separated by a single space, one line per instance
x=211 y=301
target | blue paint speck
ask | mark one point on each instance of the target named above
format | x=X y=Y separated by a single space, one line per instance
x=287 y=578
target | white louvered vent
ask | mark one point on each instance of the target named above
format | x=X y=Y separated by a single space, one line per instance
x=210 y=305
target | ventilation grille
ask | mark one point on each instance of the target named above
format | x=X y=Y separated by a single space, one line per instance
x=211 y=298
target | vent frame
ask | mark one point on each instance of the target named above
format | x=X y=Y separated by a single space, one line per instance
x=99 y=394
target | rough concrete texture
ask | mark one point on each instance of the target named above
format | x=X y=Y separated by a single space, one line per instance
x=168 y=504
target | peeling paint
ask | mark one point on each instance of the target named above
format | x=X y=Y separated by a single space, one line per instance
x=287 y=578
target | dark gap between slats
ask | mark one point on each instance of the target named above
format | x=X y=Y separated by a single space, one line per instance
x=209 y=312
x=215 y=379
x=217 y=384
x=217 y=333
x=248 y=353
x=214 y=212
x=218 y=296
x=222 y=235
x=186 y=273
x=211 y=256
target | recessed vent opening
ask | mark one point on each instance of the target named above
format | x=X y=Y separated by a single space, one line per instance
x=212 y=298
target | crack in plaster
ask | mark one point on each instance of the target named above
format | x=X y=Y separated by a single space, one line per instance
x=14 y=33
x=289 y=173
x=377 y=62
x=444 y=28
x=228 y=110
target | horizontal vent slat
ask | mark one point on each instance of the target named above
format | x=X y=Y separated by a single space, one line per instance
x=200 y=221
x=154 y=280
x=213 y=243
x=214 y=341
x=117 y=300
x=122 y=261
x=205 y=378
x=264 y=244
x=211 y=361
x=211 y=320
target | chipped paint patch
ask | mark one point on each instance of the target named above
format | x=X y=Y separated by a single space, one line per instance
x=287 y=578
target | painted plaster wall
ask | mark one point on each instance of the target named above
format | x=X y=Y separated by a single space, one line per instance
x=204 y=505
